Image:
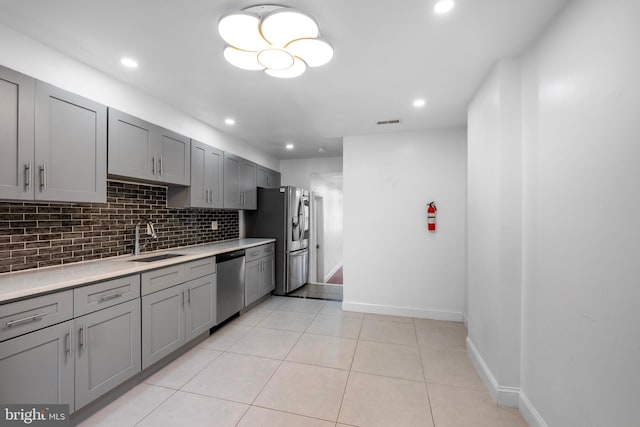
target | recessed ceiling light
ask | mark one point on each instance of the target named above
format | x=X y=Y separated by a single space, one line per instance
x=322 y=150
x=419 y=103
x=443 y=6
x=229 y=121
x=129 y=63
x=289 y=146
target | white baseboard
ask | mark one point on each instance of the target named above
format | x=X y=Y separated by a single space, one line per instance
x=453 y=316
x=504 y=396
x=333 y=271
x=529 y=412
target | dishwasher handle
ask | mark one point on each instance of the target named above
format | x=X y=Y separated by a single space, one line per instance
x=228 y=256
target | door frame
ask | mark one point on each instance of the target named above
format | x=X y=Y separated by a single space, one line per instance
x=316 y=259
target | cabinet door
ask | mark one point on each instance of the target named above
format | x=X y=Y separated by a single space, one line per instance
x=231 y=181
x=162 y=324
x=16 y=135
x=252 y=282
x=108 y=350
x=174 y=164
x=132 y=152
x=266 y=178
x=199 y=196
x=38 y=367
x=70 y=147
x=248 y=190
x=201 y=305
x=214 y=172
x=267 y=275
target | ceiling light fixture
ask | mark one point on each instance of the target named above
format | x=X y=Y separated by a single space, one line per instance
x=229 y=121
x=419 y=103
x=443 y=6
x=289 y=146
x=279 y=40
x=129 y=63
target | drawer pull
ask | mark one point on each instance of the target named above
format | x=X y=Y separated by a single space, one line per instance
x=110 y=296
x=26 y=319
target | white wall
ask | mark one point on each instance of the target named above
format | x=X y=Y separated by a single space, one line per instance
x=393 y=265
x=32 y=58
x=298 y=172
x=494 y=232
x=581 y=130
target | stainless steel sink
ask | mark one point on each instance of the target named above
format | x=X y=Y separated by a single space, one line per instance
x=156 y=258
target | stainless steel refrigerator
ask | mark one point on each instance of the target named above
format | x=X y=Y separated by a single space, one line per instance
x=283 y=214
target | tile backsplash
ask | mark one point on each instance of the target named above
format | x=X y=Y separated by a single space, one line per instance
x=35 y=234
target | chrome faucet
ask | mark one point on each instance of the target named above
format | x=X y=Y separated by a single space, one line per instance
x=150 y=232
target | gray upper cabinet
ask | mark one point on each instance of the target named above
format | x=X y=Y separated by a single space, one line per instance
x=146 y=152
x=239 y=183
x=38 y=367
x=268 y=178
x=207 y=177
x=54 y=143
x=71 y=147
x=16 y=135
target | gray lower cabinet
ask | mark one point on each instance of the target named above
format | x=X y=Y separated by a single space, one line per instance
x=207 y=177
x=267 y=178
x=200 y=309
x=144 y=151
x=43 y=130
x=173 y=316
x=240 y=191
x=107 y=350
x=38 y=367
x=163 y=329
x=252 y=281
x=268 y=275
x=259 y=277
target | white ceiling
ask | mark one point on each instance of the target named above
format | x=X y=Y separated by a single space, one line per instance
x=386 y=55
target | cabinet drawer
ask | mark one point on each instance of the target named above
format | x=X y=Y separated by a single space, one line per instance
x=267 y=249
x=252 y=254
x=88 y=299
x=162 y=278
x=199 y=268
x=21 y=317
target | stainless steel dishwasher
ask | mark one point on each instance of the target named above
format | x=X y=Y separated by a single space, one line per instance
x=230 y=294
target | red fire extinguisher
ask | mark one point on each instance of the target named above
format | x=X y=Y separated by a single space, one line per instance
x=431 y=217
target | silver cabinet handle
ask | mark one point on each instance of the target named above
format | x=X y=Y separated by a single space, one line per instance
x=160 y=166
x=81 y=337
x=27 y=176
x=153 y=165
x=110 y=296
x=67 y=341
x=43 y=177
x=182 y=297
x=25 y=319
x=208 y=195
x=189 y=296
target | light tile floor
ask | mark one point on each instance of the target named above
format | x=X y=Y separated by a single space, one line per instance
x=296 y=362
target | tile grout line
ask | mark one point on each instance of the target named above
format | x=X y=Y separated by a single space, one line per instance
x=346 y=384
x=424 y=374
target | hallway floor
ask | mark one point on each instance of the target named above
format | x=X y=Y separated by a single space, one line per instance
x=304 y=362
x=323 y=291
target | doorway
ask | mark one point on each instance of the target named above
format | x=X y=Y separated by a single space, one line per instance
x=325 y=264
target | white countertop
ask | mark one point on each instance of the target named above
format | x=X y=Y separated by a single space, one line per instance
x=45 y=280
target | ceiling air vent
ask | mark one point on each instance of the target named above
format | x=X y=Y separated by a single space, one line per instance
x=389 y=122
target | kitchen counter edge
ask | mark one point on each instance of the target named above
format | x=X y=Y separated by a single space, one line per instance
x=29 y=283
